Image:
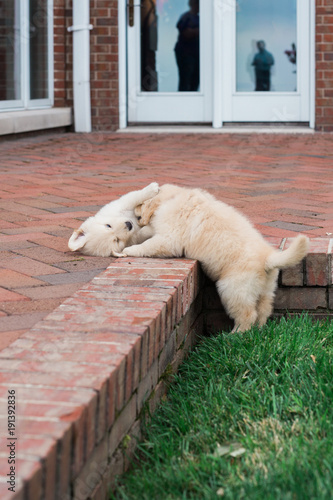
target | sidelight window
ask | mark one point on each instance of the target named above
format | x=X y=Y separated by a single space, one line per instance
x=26 y=54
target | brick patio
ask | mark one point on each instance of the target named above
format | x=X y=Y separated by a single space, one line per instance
x=283 y=183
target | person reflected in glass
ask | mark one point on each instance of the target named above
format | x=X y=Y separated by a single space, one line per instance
x=187 y=49
x=149 y=76
x=262 y=62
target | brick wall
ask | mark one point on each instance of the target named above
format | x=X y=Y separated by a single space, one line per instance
x=62 y=53
x=104 y=62
x=324 y=65
x=92 y=371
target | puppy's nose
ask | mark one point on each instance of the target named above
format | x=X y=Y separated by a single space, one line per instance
x=129 y=225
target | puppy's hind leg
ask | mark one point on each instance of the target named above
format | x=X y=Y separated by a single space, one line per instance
x=264 y=308
x=266 y=299
x=239 y=303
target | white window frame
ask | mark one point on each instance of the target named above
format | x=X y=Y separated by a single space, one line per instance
x=21 y=41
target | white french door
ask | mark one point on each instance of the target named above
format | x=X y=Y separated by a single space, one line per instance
x=169 y=80
x=266 y=70
x=219 y=61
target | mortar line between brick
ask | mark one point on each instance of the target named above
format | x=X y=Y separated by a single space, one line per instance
x=305 y=275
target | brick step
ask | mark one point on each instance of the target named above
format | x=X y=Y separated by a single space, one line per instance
x=83 y=376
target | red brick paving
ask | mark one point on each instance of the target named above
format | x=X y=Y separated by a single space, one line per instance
x=48 y=185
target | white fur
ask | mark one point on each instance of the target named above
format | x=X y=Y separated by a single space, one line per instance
x=96 y=237
x=192 y=223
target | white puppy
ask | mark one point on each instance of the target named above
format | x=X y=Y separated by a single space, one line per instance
x=114 y=226
x=192 y=223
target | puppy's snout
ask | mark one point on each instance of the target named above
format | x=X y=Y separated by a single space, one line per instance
x=129 y=225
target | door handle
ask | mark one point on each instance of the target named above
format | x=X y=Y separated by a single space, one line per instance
x=130 y=12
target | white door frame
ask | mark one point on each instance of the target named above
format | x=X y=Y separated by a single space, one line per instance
x=221 y=8
x=170 y=106
x=122 y=58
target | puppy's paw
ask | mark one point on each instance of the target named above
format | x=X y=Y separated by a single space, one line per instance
x=122 y=254
x=153 y=188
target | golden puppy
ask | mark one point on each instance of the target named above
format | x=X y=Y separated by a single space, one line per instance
x=192 y=223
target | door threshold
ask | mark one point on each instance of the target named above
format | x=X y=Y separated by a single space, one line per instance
x=245 y=128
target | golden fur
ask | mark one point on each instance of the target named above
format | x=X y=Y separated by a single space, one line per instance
x=114 y=226
x=192 y=223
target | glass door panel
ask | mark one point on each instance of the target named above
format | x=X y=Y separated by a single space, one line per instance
x=10 y=56
x=266 y=64
x=39 y=53
x=170 y=60
x=26 y=54
x=169 y=48
x=266 y=35
x=219 y=61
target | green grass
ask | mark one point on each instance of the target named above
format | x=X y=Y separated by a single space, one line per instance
x=265 y=397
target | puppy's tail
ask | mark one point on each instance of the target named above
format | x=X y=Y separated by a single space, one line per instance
x=290 y=257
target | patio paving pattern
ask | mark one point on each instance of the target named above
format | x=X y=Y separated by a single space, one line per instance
x=49 y=184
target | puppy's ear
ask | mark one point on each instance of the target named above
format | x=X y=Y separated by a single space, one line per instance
x=137 y=210
x=147 y=210
x=77 y=240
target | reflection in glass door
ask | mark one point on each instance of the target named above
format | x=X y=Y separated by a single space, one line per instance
x=26 y=54
x=10 y=54
x=220 y=61
x=266 y=71
x=170 y=59
x=169 y=79
x=266 y=35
